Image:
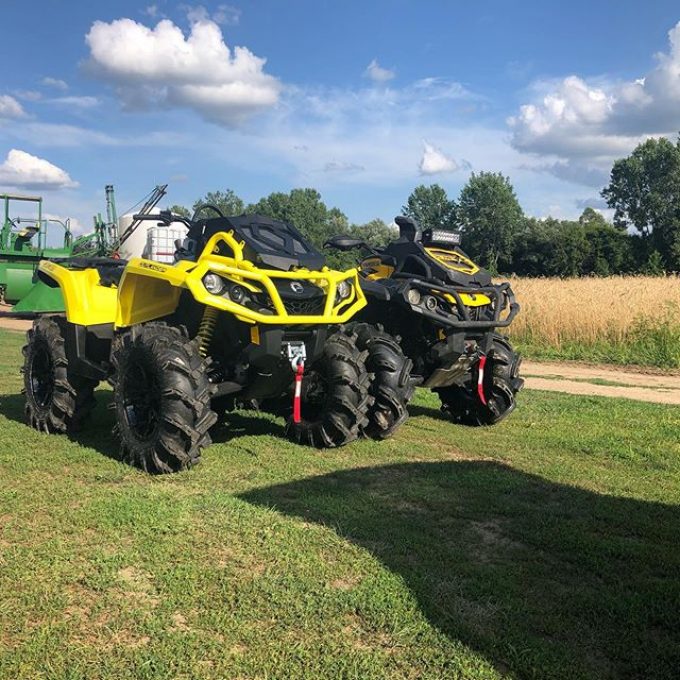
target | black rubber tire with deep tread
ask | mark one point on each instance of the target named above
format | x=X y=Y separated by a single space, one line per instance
x=347 y=401
x=502 y=382
x=180 y=390
x=70 y=399
x=391 y=385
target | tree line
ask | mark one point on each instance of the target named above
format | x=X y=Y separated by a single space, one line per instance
x=644 y=237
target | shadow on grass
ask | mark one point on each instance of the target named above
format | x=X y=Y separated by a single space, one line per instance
x=544 y=579
x=415 y=410
x=97 y=431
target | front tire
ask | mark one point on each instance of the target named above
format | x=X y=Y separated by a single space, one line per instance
x=501 y=384
x=391 y=386
x=335 y=398
x=161 y=398
x=56 y=400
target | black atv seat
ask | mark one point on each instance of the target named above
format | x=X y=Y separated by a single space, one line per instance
x=110 y=274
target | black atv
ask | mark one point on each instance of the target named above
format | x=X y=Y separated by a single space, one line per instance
x=446 y=311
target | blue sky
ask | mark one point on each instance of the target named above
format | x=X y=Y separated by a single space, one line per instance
x=362 y=100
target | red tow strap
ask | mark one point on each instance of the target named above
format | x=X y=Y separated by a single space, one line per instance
x=299 y=372
x=480 y=379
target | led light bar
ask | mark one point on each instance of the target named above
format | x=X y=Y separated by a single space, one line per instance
x=441 y=236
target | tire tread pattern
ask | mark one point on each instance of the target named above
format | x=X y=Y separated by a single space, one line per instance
x=185 y=393
x=72 y=396
x=348 y=399
x=391 y=386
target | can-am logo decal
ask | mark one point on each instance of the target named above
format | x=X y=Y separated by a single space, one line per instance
x=296 y=287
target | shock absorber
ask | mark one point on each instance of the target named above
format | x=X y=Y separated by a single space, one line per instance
x=206 y=330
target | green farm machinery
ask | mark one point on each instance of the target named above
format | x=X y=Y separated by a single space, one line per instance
x=23 y=243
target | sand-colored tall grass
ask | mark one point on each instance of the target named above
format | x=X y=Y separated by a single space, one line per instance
x=614 y=312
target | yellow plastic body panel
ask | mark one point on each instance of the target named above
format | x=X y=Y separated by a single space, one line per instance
x=470 y=300
x=453 y=260
x=149 y=290
x=87 y=303
x=373 y=269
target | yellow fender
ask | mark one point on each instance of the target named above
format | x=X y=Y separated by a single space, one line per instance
x=87 y=302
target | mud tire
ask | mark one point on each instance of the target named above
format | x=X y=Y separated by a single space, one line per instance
x=342 y=413
x=391 y=385
x=57 y=401
x=502 y=382
x=161 y=398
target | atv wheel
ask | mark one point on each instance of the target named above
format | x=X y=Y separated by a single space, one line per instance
x=161 y=398
x=501 y=384
x=335 y=398
x=391 y=386
x=55 y=400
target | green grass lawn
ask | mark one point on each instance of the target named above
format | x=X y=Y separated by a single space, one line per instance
x=548 y=546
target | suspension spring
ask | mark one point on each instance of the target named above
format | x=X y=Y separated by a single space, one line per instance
x=206 y=330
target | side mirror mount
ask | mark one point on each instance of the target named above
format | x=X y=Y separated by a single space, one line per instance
x=342 y=242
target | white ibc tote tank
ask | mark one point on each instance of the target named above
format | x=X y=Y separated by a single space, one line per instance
x=149 y=240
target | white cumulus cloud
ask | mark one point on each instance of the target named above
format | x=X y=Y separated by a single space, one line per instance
x=377 y=73
x=585 y=125
x=163 y=67
x=435 y=161
x=225 y=15
x=10 y=107
x=25 y=171
x=56 y=83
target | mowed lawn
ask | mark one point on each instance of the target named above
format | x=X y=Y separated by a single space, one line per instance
x=548 y=546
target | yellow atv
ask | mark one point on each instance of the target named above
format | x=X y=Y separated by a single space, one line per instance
x=446 y=311
x=248 y=311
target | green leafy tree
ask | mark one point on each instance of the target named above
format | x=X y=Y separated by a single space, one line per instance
x=305 y=209
x=227 y=201
x=490 y=217
x=550 y=247
x=653 y=265
x=180 y=210
x=609 y=248
x=431 y=207
x=644 y=190
x=376 y=232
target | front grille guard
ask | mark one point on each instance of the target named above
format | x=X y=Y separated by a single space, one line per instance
x=275 y=310
x=501 y=296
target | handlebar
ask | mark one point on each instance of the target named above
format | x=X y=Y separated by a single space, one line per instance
x=165 y=216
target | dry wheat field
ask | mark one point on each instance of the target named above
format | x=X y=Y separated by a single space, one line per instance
x=622 y=319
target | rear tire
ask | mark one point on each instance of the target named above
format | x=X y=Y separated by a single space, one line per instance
x=391 y=386
x=335 y=397
x=501 y=384
x=56 y=401
x=161 y=398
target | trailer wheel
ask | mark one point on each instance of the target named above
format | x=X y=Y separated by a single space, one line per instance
x=391 y=386
x=501 y=384
x=335 y=396
x=161 y=398
x=56 y=400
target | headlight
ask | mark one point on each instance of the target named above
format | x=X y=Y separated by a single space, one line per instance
x=430 y=302
x=214 y=284
x=413 y=296
x=237 y=293
x=343 y=290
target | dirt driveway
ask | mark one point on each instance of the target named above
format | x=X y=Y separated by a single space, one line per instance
x=603 y=381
